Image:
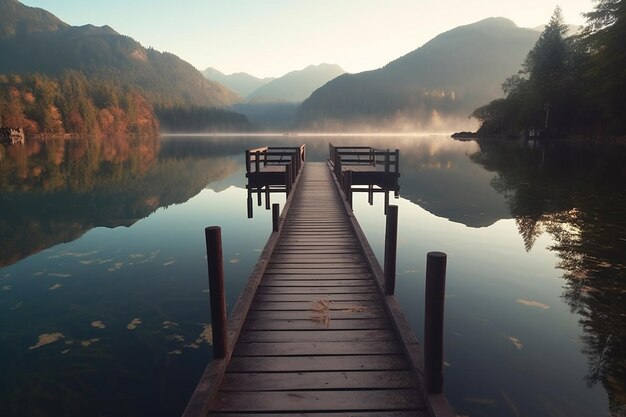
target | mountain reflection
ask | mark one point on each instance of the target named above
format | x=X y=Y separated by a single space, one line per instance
x=55 y=191
x=577 y=195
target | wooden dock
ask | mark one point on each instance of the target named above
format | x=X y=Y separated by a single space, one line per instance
x=313 y=333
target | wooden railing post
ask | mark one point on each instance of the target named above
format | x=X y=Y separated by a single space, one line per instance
x=213 y=236
x=387 y=162
x=288 y=179
x=267 y=197
x=247 y=161
x=391 y=245
x=433 y=317
x=257 y=160
x=397 y=158
x=348 y=187
x=275 y=216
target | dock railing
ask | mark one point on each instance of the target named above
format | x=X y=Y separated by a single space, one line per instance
x=364 y=165
x=258 y=159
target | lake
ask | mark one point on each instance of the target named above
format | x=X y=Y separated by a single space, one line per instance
x=103 y=281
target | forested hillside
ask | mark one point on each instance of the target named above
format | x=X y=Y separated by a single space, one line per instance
x=567 y=85
x=72 y=104
x=108 y=77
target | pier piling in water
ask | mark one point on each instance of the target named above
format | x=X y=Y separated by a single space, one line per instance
x=215 y=261
x=433 y=321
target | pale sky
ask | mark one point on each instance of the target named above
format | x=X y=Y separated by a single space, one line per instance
x=272 y=37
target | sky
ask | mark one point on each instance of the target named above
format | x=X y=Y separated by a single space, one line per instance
x=268 y=38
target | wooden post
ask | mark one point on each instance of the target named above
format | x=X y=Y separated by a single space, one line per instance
x=397 y=158
x=215 y=260
x=257 y=157
x=386 y=192
x=288 y=180
x=249 y=202
x=259 y=198
x=267 y=197
x=433 y=325
x=370 y=195
x=387 y=162
x=391 y=245
x=348 y=187
x=275 y=216
x=247 y=161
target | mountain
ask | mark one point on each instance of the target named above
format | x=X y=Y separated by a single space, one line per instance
x=34 y=40
x=433 y=87
x=240 y=82
x=296 y=86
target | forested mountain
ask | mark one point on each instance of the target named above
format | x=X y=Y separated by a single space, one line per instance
x=443 y=80
x=240 y=82
x=296 y=86
x=35 y=41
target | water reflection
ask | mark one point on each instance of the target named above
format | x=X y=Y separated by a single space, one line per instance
x=54 y=191
x=577 y=195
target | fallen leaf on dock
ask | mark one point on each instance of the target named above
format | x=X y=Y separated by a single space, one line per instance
x=320 y=311
x=175 y=352
x=169 y=324
x=55 y=287
x=46 y=339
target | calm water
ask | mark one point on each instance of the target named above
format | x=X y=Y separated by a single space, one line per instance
x=103 y=301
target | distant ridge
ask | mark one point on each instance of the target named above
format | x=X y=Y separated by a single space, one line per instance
x=296 y=86
x=429 y=88
x=240 y=82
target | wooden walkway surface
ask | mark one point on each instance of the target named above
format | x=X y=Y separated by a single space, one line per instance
x=319 y=338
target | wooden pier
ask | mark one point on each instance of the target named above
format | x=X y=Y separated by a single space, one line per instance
x=312 y=333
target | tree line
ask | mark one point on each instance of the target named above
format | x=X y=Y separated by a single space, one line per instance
x=568 y=85
x=71 y=104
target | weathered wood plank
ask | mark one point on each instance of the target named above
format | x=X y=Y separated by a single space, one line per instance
x=385 y=413
x=309 y=306
x=318 y=363
x=313 y=271
x=333 y=324
x=324 y=335
x=295 y=381
x=319 y=400
x=314 y=283
x=330 y=276
x=316 y=348
x=316 y=290
x=306 y=315
x=315 y=297
x=318 y=266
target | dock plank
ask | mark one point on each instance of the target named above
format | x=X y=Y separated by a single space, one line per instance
x=319 y=400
